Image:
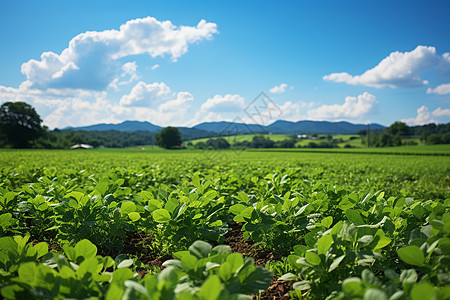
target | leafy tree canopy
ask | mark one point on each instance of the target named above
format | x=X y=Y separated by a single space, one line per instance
x=169 y=138
x=20 y=124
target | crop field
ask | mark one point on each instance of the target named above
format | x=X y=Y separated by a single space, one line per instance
x=141 y=224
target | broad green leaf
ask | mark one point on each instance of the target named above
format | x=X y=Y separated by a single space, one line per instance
x=327 y=221
x=115 y=291
x=375 y=294
x=41 y=249
x=200 y=249
x=134 y=216
x=312 y=258
x=354 y=216
x=257 y=280
x=161 y=215
x=353 y=287
x=225 y=271
x=85 y=249
x=411 y=255
x=324 y=244
x=127 y=207
x=189 y=262
x=211 y=288
x=422 y=291
x=27 y=272
x=236 y=261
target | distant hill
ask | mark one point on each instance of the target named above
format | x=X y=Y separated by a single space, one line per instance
x=230 y=128
x=321 y=127
x=124 y=126
x=209 y=129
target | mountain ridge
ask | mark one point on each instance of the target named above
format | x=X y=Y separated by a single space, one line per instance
x=232 y=128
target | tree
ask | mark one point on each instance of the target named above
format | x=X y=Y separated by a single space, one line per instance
x=169 y=138
x=20 y=124
x=399 y=128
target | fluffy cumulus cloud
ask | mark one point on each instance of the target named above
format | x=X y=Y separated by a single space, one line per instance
x=82 y=85
x=144 y=94
x=279 y=89
x=91 y=61
x=440 y=112
x=399 y=69
x=439 y=115
x=442 y=89
x=227 y=103
x=355 y=108
x=423 y=117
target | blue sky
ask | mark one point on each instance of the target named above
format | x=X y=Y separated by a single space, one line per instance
x=87 y=62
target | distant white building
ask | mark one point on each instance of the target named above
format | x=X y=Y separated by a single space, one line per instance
x=302 y=136
x=82 y=146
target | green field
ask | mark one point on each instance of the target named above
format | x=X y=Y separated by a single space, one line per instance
x=355 y=142
x=344 y=225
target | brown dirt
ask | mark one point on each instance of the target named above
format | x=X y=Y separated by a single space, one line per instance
x=236 y=241
x=135 y=244
x=278 y=290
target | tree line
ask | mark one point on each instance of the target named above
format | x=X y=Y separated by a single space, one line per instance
x=21 y=127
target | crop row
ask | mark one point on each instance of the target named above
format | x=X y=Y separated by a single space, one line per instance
x=337 y=235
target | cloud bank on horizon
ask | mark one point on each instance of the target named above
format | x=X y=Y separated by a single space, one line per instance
x=85 y=83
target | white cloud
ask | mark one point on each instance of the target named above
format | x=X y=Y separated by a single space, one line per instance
x=279 y=89
x=399 y=69
x=439 y=112
x=442 y=89
x=178 y=104
x=423 y=117
x=90 y=61
x=144 y=94
x=227 y=103
x=353 y=108
x=155 y=67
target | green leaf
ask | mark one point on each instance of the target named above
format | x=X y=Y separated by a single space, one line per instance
x=324 y=244
x=41 y=249
x=211 y=288
x=257 y=280
x=411 y=255
x=288 y=277
x=375 y=294
x=189 y=262
x=85 y=249
x=125 y=263
x=302 y=285
x=336 y=263
x=353 y=287
x=225 y=271
x=127 y=207
x=236 y=261
x=161 y=215
x=200 y=249
x=312 y=258
x=27 y=272
x=354 y=216
x=115 y=291
x=134 y=216
x=444 y=245
x=422 y=291
x=327 y=222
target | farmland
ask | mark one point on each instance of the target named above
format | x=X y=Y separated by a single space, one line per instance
x=224 y=224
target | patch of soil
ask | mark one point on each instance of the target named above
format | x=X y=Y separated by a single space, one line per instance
x=136 y=244
x=278 y=290
x=236 y=241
